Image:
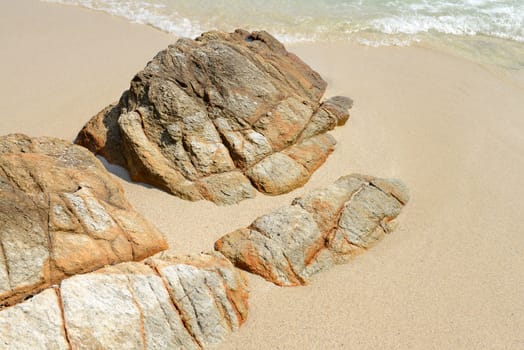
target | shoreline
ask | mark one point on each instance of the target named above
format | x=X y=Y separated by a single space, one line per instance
x=449 y=277
x=438 y=45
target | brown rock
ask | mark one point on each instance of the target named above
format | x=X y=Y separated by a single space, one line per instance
x=61 y=214
x=189 y=302
x=325 y=227
x=216 y=117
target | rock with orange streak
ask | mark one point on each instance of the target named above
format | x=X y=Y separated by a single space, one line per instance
x=189 y=302
x=217 y=117
x=61 y=213
x=325 y=227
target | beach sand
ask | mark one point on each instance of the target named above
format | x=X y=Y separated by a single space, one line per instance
x=451 y=276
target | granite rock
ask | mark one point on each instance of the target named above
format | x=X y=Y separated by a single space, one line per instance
x=189 y=302
x=216 y=117
x=325 y=227
x=35 y=324
x=61 y=213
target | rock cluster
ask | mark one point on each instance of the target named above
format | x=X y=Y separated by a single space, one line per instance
x=325 y=227
x=212 y=118
x=171 y=303
x=216 y=117
x=61 y=214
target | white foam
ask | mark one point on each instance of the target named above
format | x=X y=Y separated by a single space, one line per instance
x=156 y=15
x=372 y=23
x=496 y=18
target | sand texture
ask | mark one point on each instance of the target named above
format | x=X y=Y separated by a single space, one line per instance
x=450 y=277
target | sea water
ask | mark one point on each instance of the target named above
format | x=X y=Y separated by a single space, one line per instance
x=489 y=31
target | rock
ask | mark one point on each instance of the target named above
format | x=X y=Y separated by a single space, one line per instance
x=189 y=302
x=61 y=213
x=210 y=294
x=216 y=117
x=35 y=324
x=325 y=227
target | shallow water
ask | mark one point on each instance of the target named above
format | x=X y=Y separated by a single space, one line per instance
x=490 y=31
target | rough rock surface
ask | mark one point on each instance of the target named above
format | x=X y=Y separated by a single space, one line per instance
x=212 y=117
x=326 y=227
x=187 y=302
x=61 y=214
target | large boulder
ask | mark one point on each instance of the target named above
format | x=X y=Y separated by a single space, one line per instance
x=325 y=227
x=189 y=302
x=61 y=213
x=212 y=117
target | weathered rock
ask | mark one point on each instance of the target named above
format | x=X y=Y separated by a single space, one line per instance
x=188 y=302
x=325 y=227
x=61 y=214
x=35 y=324
x=214 y=117
x=210 y=294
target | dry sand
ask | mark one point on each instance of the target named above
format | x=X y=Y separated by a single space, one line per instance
x=452 y=275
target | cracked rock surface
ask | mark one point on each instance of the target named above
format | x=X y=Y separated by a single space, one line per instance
x=325 y=227
x=216 y=117
x=188 y=302
x=61 y=214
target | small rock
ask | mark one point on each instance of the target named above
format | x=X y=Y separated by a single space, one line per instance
x=325 y=227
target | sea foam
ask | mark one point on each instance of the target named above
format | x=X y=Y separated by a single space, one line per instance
x=319 y=20
x=373 y=23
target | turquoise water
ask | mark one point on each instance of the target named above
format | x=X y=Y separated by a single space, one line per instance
x=485 y=30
